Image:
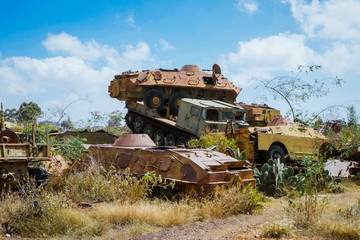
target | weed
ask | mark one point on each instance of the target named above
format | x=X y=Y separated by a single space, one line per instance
x=278 y=229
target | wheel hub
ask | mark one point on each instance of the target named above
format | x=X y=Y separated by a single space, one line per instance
x=156 y=101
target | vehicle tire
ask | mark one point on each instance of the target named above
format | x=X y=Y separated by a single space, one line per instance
x=138 y=125
x=170 y=140
x=159 y=137
x=174 y=102
x=154 y=99
x=275 y=151
x=148 y=129
x=181 y=141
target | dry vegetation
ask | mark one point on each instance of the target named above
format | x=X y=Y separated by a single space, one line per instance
x=94 y=203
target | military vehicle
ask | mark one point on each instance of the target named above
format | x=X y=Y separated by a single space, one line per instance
x=195 y=116
x=206 y=105
x=284 y=142
x=161 y=89
x=16 y=157
x=192 y=169
x=260 y=115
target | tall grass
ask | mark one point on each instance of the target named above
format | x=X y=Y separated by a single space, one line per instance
x=113 y=199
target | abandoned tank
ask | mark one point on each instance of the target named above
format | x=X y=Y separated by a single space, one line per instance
x=197 y=169
x=163 y=87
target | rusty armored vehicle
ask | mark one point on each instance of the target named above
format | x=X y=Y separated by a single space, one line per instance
x=195 y=116
x=260 y=115
x=197 y=169
x=161 y=89
x=16 y=158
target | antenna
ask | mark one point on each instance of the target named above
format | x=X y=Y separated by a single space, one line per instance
x=2 y=118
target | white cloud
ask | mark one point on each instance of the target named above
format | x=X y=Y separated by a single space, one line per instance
x=71 y=45
x=329 y=19
x=86 y=72
x=263 y=57
x=165 y=45
x=335 y=25
x=250 y=6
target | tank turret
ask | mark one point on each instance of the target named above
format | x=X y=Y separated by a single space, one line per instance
x=161 y=88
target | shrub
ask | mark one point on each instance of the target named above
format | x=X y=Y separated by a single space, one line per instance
x=209 y=139
x=278 y=229
x=70 y=149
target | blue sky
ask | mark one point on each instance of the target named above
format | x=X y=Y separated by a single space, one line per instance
x=55 y=52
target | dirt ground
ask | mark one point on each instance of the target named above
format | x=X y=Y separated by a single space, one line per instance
x=238 y=227
x=242 y=226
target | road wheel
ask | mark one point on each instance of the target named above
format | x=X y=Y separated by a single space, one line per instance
x=181 y=141
x=170 y=140
x=149 y=130
x=174 y=102
x=159 y=137
x=276 y=151
x=138 y=125
x=129 y=121
x=154 y=99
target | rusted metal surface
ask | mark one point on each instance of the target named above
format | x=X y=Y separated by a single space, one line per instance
x=134 y=140
x=260 y=114
x=196 y=167
x=191 y=81
x=15 y=157
x=8 y=136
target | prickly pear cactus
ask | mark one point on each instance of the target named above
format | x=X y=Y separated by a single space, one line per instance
x=273 y=177
x=237 y=154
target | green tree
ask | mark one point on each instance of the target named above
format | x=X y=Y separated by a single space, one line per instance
x=295 y=89
x=352 y=117
x=11 y=114
x=29 y=112
x=96 y=119
x=67 y=124
x=115 y=118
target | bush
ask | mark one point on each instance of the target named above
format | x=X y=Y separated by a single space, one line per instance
x=278 y=229
x=209 y=139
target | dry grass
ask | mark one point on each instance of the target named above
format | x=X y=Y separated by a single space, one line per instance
x=53 y=211
x=145 y=212
x=278 y=228
x=338 y=219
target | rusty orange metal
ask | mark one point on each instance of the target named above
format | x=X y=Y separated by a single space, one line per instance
x=167 y=86
x=189 y=168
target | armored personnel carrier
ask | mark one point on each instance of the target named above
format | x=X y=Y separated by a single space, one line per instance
x=195 y=116
x=161 y=89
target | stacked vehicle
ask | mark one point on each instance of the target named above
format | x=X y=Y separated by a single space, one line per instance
x=180 y=105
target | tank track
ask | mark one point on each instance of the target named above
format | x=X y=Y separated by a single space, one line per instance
x=172 y=136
